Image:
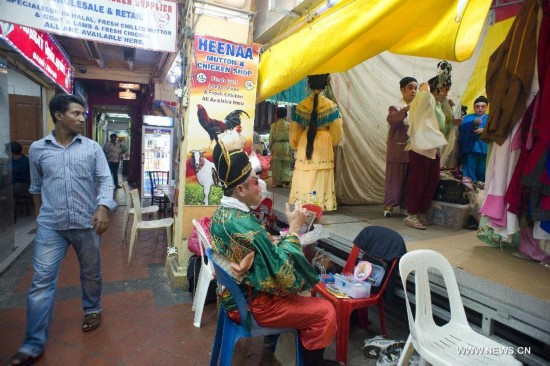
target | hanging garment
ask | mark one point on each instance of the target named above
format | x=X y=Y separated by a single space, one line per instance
x=281 y=152
x=532 y=247
x=510 y=73
x=500 y=167
x=535 y=175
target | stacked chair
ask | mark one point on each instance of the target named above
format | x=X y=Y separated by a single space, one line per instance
x=140 y=225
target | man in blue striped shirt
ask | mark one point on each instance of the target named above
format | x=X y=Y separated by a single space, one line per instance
x=71 y=183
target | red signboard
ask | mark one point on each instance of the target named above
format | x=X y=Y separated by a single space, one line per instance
x=41 y=50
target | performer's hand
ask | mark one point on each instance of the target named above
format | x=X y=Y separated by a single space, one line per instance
x=295 y=217
x=244 y=266
x=477 y=121
x=478 y=131
x=101 y=220
x=457 y=121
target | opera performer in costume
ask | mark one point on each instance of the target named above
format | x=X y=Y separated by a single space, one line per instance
x=279 y=270
x=315 y=129
x=449 y=152
x=473 y=151
x=281 y=152
x=426 y=123
x=397 y=159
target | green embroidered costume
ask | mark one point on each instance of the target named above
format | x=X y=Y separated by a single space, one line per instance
x=279 y=268
x=281 y=153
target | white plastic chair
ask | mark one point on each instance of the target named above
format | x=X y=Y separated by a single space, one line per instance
x=205 y=276
x=130 y=210
x=443 y=345
x=146 y=225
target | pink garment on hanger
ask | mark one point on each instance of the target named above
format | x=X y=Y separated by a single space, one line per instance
x=515 y=193
x=501 y=164
x=531 y=246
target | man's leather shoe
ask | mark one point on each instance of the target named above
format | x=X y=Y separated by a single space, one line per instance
x=22 y=359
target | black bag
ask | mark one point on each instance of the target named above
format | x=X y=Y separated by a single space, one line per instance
x=451 y=191
x=193 y=271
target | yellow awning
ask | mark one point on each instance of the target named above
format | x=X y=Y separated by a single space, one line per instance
x=355 y=30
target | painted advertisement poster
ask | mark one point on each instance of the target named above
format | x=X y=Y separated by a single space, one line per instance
x=147 y=24
x=222 y=103
x=40 y=49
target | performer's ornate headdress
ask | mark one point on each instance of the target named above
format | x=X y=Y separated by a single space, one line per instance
x=443 y=78
x=233 y=166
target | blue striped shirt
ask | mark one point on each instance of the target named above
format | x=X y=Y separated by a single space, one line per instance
x=73 y=181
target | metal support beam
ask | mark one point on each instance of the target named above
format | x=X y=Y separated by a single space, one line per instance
x=95 y=53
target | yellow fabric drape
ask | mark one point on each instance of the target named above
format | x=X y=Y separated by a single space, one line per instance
x=355 y=30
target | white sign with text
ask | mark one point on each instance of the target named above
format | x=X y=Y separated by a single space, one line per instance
x=147 y=24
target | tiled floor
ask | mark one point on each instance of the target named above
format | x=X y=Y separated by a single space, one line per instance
x=143 y=322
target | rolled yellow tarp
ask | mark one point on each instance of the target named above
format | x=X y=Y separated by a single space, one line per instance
x=355 y=30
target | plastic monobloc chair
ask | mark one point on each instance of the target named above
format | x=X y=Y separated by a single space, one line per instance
x=206 y=275
x=157 y=177
x=130 y=210
x=228 y=332
x=140 y=225
x=442 y=345
x=345 y=306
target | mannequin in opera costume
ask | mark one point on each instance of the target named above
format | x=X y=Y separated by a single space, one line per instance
x=315 y=129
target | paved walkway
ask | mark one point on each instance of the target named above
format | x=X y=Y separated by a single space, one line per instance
x=143 y=322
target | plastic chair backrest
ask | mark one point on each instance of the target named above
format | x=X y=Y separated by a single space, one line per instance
x=203 y=244
x=420 y=261
x=134 y=193
x=352 y=259
x=126 y=189
x=314 y=208
x=264 y=211
x=268 y=204
x=229 y=283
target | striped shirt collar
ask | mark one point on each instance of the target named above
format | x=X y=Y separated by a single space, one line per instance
x=51 y=138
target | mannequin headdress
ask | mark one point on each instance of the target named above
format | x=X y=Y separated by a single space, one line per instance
x=309 y=116
x=318 y=82
x=233 y=166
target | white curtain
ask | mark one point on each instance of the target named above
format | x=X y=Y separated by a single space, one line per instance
x=364 y=94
